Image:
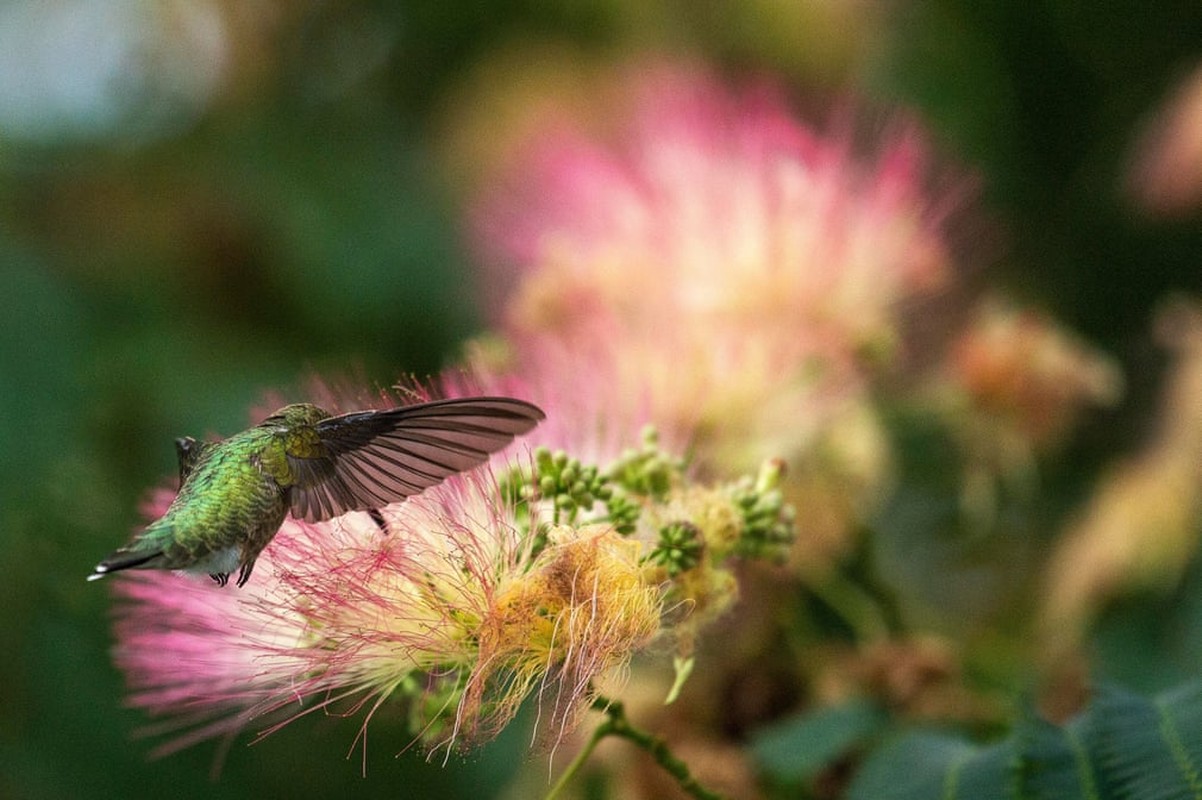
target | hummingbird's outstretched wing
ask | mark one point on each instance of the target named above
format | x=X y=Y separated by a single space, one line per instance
x=368 y=459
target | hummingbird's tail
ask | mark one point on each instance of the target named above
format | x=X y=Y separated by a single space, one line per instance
x=123 y=559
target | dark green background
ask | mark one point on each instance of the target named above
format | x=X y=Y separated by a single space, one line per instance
x=154 y=286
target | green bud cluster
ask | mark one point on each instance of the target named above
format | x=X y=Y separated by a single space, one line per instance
x=679 y=549
x=576 y=493
x=622 y=512
x=573 y=491
x=768 y=521
x=572 y=487
x=647 y=471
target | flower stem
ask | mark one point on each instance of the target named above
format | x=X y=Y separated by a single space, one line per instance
x=616 y=724
x=600 y=733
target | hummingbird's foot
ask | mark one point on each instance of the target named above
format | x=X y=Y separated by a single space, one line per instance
x=221 y=577
x=244 y=574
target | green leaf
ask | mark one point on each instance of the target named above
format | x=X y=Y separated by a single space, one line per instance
x=1150 y=749
x=925 y=765
x=795 y=749
x=1055 y=762
x=992 y=772
x=1123 y=747
x=914 y=765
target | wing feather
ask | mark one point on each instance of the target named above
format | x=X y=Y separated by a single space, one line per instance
x=366 y=488
x=368 y=459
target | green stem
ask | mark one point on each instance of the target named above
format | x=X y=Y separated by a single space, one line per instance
x=616 y=724
x=600 y=733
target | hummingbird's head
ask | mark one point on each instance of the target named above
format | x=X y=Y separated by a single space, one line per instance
x=296 y=414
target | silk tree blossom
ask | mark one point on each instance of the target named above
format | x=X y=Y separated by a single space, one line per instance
x=1165 y=172
x=1022 y=373
x=534 y=575
x=1012 y=386
x=740 y=265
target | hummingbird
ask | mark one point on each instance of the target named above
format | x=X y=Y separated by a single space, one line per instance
x=235 y=493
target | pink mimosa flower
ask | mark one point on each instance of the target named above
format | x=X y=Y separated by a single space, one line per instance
x=1165 y=173
x=722 y=265
x=536 y=574
x=1028 y=376
x=442 y=602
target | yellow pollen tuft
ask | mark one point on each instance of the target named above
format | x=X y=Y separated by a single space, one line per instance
x=582 y=610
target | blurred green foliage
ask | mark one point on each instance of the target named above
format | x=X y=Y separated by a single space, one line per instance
x=156 y=282
x=1123 y=746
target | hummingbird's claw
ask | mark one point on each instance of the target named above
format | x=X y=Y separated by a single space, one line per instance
x=244 y=573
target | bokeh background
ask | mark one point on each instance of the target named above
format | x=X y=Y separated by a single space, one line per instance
x=205 y=201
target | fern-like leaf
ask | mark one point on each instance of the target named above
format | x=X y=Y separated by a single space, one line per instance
x=1123 y=747
x=1150 y=749
x=919 y=764
x=1055 y=763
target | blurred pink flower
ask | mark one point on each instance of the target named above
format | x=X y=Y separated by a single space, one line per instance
x=725 y=268
x=1164 y=175
x=1025 y=375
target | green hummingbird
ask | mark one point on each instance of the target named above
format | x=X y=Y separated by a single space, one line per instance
x=235 y=493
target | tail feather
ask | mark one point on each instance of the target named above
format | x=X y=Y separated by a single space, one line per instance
x=123 y=559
